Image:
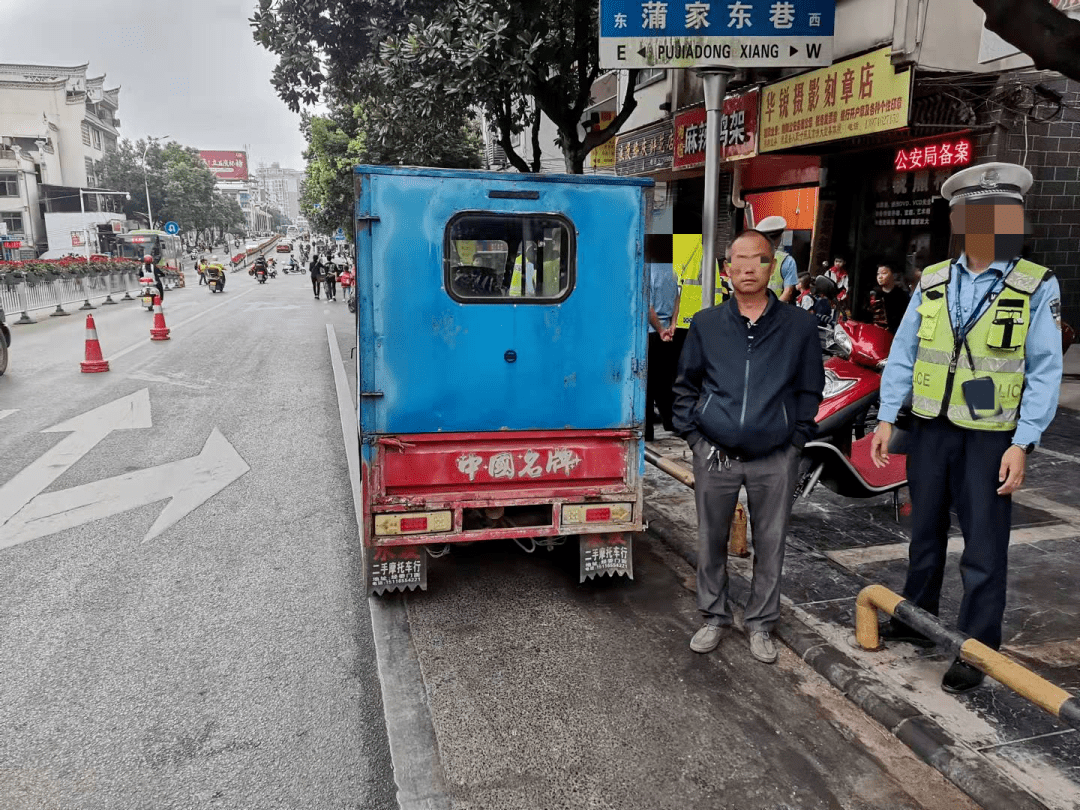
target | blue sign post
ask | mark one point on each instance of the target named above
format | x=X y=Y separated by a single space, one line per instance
x=729 y=35
x=339 y=234
x=172 y=228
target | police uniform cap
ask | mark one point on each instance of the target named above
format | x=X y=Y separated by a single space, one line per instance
x=771 y=225
x=1003 y=180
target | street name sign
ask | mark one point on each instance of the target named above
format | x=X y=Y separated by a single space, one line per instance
x=172 y=227
x=726 y=34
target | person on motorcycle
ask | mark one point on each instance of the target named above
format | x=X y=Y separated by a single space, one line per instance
x=215 y=270
x=259 y=266
x=151 y=269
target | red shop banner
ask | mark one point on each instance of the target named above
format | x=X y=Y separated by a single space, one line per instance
x=738 y=131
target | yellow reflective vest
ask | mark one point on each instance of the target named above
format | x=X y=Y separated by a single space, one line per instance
x=776 y=280
x=997 y=342
x=686 y=252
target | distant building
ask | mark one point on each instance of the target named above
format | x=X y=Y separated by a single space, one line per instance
x=56 y=125
x=281 y=189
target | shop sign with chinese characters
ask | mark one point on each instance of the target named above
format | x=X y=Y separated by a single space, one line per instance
x=645 y=150
x=738 y=131
x=707 y=33
x=906 y=199
x=858 y=96
x=956 y=152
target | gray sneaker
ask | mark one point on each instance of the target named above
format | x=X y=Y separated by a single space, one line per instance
x=762 y=646
x=706 y=639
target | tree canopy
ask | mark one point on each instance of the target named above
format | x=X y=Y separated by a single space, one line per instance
x=180 y=185
x=346 y=137
x=419 y=60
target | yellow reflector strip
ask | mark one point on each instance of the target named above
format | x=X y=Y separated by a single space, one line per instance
x=597 y=513
x=414 y=523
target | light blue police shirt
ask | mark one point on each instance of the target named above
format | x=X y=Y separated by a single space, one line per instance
x=790 y=271
x=663 y=290
x=1042 y=352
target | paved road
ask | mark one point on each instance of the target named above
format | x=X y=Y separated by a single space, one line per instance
x=227 y=661
x=215 y=652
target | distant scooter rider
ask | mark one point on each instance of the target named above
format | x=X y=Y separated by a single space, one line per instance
x=150 y=269
x=215 y=270
x=259 y=266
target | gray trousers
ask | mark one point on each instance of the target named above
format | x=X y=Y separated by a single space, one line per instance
x=770 y=484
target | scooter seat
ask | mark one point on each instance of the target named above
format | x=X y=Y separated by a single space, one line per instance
x=857 y=477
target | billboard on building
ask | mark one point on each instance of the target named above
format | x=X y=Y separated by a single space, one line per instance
x=226 y=165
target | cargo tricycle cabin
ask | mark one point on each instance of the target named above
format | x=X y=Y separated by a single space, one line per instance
x=502 y=340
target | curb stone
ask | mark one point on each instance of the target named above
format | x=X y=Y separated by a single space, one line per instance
x=965 y=768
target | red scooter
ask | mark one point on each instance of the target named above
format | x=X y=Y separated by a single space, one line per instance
x=839 y=457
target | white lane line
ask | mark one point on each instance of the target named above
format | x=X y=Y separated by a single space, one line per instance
x=852 y=557
x=418 y=772
x=1056 y=454
x=8 y=413
x=134 y=346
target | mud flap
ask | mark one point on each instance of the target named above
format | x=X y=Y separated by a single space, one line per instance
x=395 y=568
x=606 y=554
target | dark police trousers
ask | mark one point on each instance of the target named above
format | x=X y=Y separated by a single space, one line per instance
x=954 y=466
x=770 y=484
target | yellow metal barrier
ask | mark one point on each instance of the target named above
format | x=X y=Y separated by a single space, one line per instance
x=1001 y=668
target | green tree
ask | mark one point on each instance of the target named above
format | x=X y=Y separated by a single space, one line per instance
x=180 y=185
x=350 y=136
x=418 y=59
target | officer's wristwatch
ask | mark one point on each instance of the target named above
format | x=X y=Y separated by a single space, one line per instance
x=1027 y=448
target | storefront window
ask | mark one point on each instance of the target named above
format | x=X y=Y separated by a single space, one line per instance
x=509 y=259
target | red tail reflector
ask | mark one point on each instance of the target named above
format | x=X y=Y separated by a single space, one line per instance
x=418 y=524
x=598 y=514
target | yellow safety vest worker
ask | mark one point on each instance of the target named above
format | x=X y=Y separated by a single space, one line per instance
x=515 y=281
x=689 y=277
x=996 y=341
x=776 y=280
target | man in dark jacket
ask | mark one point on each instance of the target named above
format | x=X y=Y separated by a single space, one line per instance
x=315 y=269
x=748 y=388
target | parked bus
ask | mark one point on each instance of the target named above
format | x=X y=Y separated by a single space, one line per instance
x=166 y=248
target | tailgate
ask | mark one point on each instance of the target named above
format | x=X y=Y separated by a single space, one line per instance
x=504 y=467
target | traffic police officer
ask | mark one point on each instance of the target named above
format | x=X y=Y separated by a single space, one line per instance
x=785 y=273
x=979 y=352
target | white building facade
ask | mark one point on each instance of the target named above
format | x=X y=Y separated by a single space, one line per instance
x=56 y=125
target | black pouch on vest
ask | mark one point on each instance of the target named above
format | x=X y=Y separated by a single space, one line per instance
x=980 y=395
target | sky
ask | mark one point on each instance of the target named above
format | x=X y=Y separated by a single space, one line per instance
x=188 y=69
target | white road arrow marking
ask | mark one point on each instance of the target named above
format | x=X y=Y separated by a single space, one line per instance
x=189 y=483
x=126 y=413
x=7 y=413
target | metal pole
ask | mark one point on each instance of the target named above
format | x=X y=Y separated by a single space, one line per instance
x=715 y=85
x=85 y=230
x=146 y=186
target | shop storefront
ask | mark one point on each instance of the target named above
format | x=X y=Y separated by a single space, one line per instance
x=738 y=143
x=848 y=118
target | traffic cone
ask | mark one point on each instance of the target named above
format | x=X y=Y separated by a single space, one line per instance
x=158 y=331
x=94 y=362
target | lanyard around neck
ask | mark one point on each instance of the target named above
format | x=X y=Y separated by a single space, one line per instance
x=963 y=327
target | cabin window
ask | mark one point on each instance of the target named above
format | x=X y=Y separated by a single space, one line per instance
x=509 y=258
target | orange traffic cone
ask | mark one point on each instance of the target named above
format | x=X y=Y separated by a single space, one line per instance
x=158 y=331
x=94 y=362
